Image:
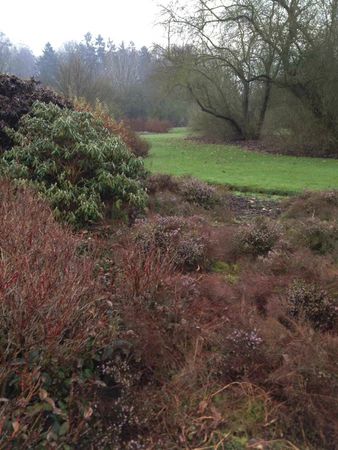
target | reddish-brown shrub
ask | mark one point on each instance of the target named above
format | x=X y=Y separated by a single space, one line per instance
x=321 y=205
x=47 y=290
x=207 y=354
x=54 y=324
x=161 y=182
x=149 y=125
x=154 y=303
x=198 y=333
x=306 y=383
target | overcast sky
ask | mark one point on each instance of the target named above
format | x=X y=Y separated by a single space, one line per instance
x=34 y=22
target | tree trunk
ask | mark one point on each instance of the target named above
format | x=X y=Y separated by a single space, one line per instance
x=245 y=107
x=262 y=113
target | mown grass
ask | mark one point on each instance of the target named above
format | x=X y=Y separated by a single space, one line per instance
x=242 y=170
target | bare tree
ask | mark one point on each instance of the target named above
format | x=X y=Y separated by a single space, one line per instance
x=229 y=67
x=303 y=35
x=256 y=44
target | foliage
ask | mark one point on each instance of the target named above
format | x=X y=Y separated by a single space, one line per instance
x=133 y=352
x=57 y=337
x=150 y=125
x=16 y=60
x=160 y=183
x=297 y=134
x=243 y=59
x=310 y=303
x=258 y=238
x=121 y=76
x=181 y=238
x=74 y=162
x=137 y=145
x=199 y=193
x=319 y=236
x=321 y=205
x=215 y=357
x=16 y=99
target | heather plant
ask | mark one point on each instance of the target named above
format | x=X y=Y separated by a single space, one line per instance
x=199 y=193
x=180 y=237
x=258 y=238
x=320 y=205
x=240 y=352
x=75 y=163
x=161 y=182
x=317 y=235
x=312 y=304
x=170 y=204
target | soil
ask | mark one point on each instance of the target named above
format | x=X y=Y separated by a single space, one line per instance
x=244 y=208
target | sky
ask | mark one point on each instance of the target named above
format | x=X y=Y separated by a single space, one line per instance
x=35 y=22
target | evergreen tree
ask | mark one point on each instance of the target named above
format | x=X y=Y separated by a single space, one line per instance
x=48 y=65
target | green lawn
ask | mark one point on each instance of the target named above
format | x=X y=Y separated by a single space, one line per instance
x=241 y=169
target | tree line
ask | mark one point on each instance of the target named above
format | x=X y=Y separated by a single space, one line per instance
x=121 y=76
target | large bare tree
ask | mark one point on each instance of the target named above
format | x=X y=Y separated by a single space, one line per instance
x=227 y=67
x=238 y=50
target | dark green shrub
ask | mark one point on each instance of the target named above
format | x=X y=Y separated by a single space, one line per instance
x=199 y=193
x=312 y=304
x=73 y=161
x=319 y=236
x=136 y=144
x=16 y=99
x=258 y=238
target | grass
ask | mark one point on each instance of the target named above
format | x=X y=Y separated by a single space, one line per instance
x=241 y=170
